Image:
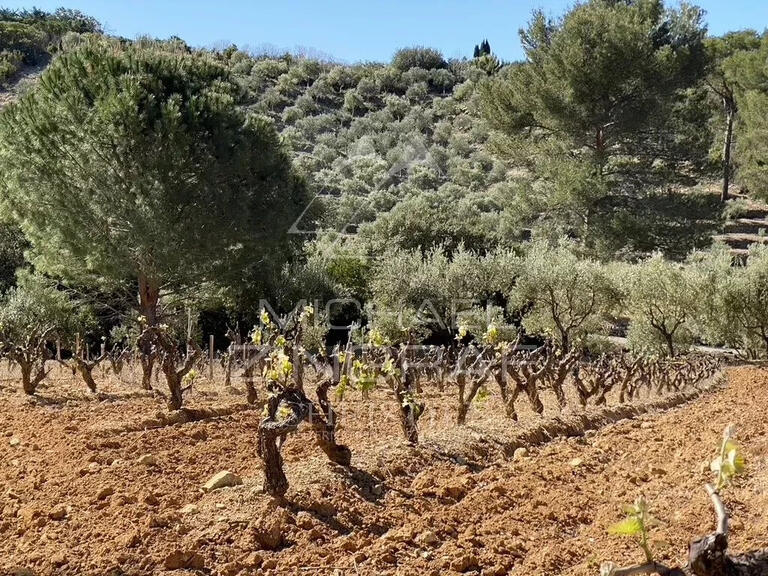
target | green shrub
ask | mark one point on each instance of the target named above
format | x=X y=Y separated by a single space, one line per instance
x=418 y=57
x=29 y=41
x=9 y=64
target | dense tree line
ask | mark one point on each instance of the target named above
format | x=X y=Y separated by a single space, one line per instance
x=558 y=293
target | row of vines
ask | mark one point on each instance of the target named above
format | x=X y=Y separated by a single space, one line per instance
x=277 y=358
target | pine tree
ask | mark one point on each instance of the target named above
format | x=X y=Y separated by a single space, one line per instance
x=482 y=49
x=581 y=108
x=721 y=52
x=744 y=76
x=130 y=165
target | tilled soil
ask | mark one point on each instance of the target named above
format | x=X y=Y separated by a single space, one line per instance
x=74 y=498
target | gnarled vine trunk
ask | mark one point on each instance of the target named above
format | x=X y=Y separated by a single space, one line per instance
x=175 y=377
x=86 y=373
x=31 y=357
x=324 y=425
x=85 y=369
x=31 y=374
x=409 y=409
x=147 y=361
x=251 y=394
x=285 y=412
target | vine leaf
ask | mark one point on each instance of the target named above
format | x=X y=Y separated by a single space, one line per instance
x=730 y=462
x=630 y=526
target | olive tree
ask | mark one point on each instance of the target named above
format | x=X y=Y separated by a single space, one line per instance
x=562 y=296
x=33 y=314
x=742 y=304
x=711 y=298
x=427 y=291
x=418 y=57
x=660 y=301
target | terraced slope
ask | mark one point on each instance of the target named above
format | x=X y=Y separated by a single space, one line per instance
x=749 y=227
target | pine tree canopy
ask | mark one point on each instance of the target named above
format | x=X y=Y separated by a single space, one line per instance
x=133 y=162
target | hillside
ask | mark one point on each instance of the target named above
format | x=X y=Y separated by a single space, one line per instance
x=389 y=142
x=21 y=81
x=745 y=226
x=29 y=37
x=406 y=156
x=404 y=153
x=271 y=314
x=399 y=144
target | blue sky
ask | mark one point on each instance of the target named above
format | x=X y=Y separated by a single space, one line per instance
x=354 y=30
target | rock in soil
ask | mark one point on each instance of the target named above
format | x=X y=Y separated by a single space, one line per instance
x=147 y=460
x=190 y=509
x=105 y=492
x=520 y=453
x=223 y=479
x=58 y=513
x=184 y=559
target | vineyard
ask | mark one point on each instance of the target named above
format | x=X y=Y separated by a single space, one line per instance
x=437 y=417
x=270 y=312
x=128 y=490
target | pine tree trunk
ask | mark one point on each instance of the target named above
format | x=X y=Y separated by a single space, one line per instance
x=149 y=296
x=727 y=151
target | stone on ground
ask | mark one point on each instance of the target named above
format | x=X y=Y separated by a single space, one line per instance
x=223 y=479
x=147 y=460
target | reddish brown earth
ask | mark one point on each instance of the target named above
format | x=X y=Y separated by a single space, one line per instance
x=75 y=500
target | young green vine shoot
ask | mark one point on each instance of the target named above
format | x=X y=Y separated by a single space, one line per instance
x=636 y=524
x=728 y=464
